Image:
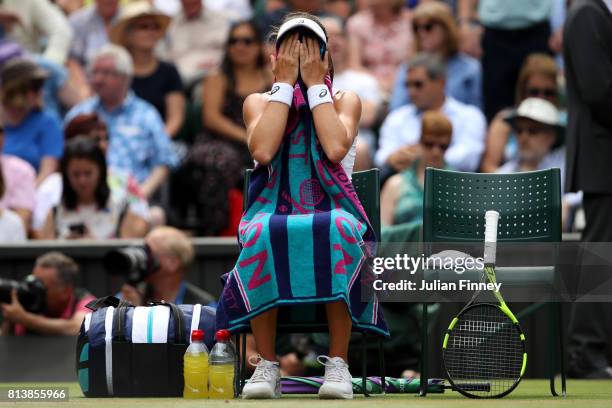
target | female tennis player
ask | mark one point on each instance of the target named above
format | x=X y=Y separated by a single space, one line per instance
x=304 y=234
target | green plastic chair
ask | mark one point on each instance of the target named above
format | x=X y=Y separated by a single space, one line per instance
x=529 y=205
x=312 y=319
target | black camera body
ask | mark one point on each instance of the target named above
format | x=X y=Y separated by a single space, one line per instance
x=136 y=263
x=31 y=293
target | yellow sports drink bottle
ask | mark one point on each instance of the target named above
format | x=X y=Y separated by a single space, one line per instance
x=221 y=366
x=195 y=367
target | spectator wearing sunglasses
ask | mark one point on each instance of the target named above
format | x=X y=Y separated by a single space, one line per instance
x=403 y=194
x=220 y=155
x=31 y=132
x=540 y=134
x=537 y=79
x=436 y=32
x=196 y=40
x=400 y=132
x=139 y=29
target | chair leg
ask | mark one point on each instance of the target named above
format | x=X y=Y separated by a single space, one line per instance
x=237 y=367
x=381 y=363
x=364 y=364
x=553 y=349
x=243 y=362
x=561 y=348
x=424 y=342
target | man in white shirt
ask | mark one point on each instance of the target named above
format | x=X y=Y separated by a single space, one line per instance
x=401 y=130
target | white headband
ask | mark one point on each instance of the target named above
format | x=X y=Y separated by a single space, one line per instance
x=302 y=22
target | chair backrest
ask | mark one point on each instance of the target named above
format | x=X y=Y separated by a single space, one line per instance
x=529 y=205
x=367 y=186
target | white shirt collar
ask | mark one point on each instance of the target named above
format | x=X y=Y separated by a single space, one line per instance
x=608 y=4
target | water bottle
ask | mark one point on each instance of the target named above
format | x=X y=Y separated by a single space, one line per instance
x=221 y=366
x=195 y=368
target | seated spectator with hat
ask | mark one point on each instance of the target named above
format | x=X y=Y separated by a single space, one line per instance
x=31 y=132
x=540 y=144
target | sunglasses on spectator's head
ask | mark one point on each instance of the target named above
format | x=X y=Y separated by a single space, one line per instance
x=427 y=27
x=430 y=145
x=542 y=92
x=415 y=84
x=241 y=40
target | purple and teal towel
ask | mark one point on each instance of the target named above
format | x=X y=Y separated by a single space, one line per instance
x=311 y=385
x=304 y=236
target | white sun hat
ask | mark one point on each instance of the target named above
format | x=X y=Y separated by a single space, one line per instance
x=537 y=109
x=302 y=22
x=541 y=111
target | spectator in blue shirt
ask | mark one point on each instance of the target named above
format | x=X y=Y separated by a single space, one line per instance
x=138 y=141
x=31 y=133
x=436 y=32
x=400 y=132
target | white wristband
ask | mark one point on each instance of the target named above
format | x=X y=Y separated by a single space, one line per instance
x=281 y=92
x=318 y=94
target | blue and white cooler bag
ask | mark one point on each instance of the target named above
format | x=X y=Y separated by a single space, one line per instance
x=127 y=351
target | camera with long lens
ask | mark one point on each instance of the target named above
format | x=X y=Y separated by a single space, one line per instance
x=135 y=263
x=31 y=293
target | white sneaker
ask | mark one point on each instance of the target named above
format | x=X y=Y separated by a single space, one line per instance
x=337 y=383
x=265 y=381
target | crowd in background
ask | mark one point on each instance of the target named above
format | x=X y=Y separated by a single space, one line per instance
x=118 y=116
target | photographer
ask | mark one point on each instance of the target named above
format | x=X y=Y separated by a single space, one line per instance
x=173 y=255
x=65 y=303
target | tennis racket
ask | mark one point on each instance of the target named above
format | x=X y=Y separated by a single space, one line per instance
x=484 y=347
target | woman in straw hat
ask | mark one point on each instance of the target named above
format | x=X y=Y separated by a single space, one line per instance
x=220 y=152
x=139 y=29
x=436 y=32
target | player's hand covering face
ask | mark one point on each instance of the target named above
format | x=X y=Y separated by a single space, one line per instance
x=312 y=68
x=286 y=63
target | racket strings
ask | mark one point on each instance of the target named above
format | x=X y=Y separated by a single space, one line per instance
x=484 y=353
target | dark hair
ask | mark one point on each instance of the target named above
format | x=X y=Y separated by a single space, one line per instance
x=83 y=124
x=301 y=14
x=67 y=269
x=83 y=147
x=227 y=66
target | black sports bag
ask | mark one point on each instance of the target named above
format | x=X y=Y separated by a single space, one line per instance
x=127 y=351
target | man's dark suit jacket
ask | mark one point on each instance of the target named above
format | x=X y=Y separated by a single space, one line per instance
x=587 y=50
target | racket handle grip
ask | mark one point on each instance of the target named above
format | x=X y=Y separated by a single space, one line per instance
x=491 y=220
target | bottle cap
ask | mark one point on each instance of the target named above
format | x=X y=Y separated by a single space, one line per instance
x=223 y=335
x=197 y=335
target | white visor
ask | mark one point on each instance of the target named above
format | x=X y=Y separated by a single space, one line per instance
x=302 y=22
